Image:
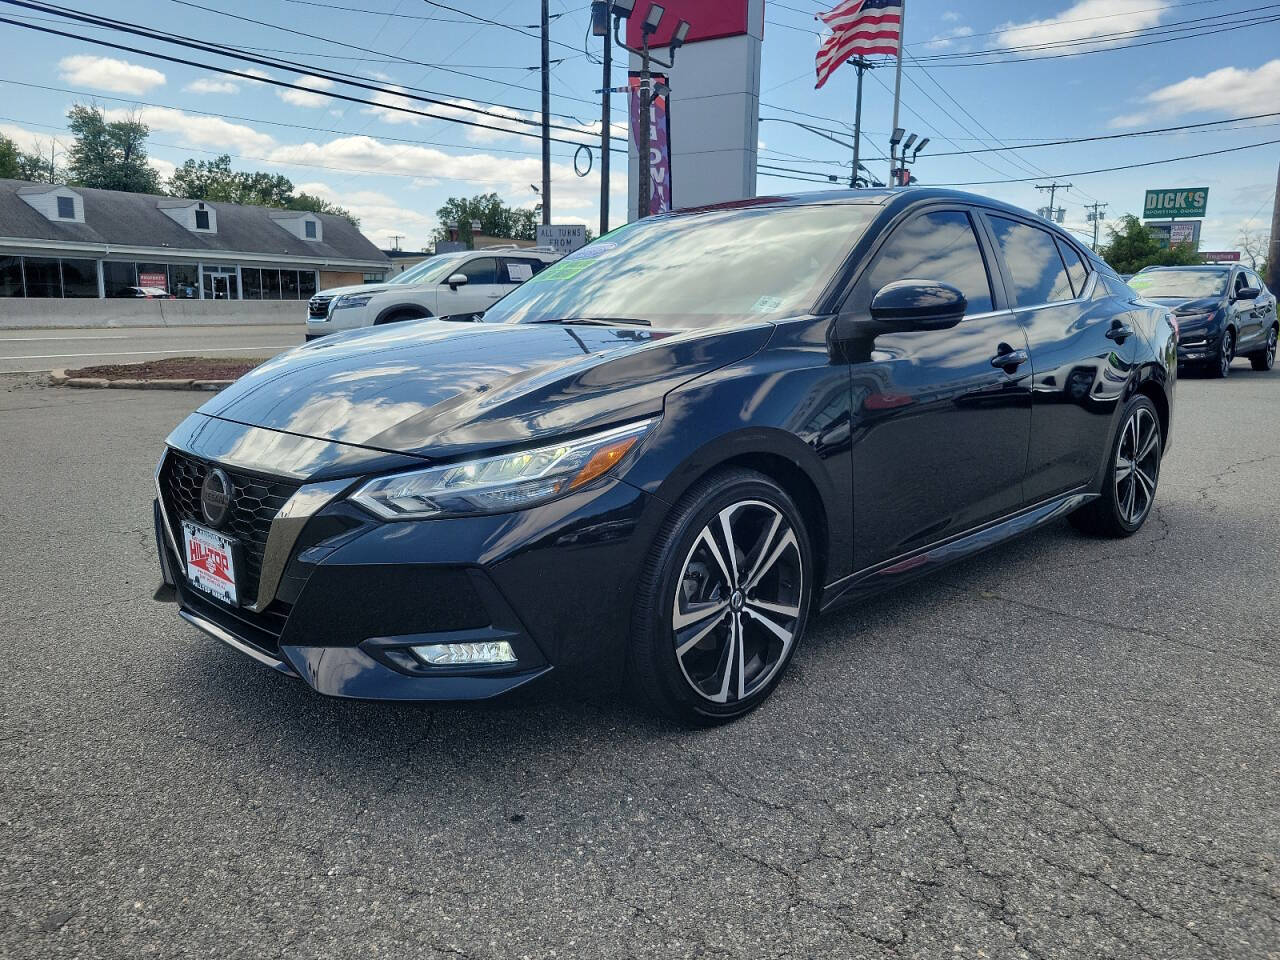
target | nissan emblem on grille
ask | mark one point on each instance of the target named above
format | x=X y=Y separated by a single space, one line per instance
x=215 y=497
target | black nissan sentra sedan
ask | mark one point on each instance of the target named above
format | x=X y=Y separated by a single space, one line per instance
x=658 y=458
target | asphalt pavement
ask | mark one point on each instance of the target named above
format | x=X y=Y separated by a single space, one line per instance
x=1066 y=748
x=42 y=349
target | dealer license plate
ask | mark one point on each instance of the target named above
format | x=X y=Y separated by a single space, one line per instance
x=211 y=565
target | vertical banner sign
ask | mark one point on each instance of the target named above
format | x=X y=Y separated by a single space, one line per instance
x=659 y=139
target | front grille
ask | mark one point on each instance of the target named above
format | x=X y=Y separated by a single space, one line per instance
x=255 y=501
x=318 y=307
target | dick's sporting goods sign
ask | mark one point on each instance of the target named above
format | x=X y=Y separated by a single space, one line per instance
x=1165 y=204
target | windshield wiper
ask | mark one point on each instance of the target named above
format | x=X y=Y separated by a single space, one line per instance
x=597 y=321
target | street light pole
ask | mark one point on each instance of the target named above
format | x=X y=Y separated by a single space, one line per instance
x=606 y=128
x=861 y=65
x=642 y=135
x=546 y=113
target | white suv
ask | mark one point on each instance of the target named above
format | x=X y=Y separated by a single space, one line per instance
x=445 y=285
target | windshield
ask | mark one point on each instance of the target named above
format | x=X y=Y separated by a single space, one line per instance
x=696 y=269
x=431 y=270
x=1190 y=284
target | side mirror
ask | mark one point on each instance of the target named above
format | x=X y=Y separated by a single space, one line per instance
x=917 y=305
x=1247 y=293
x=457 y=280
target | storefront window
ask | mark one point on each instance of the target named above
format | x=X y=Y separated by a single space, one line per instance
x=184 y=281
x=80 y=278
x=270 y=284
x=306 y=284
x=118 y=277
x=11 y=277
x=288 y=284
x=154 y=276
x=44 y=278
x=251 y=277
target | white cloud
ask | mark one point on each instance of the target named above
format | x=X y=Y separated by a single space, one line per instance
x=381 y=216
x=211 y=85
x=508 y=121
x=1083 y=21
x=950 y=17
x=1231 y=90
x=255 y=72
x=301 y=98
x=106 y=73
x=948 y=38
x=24 y=139
x=200 y=130
x=162 y=167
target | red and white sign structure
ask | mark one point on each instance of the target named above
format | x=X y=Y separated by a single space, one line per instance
x=713 y=107
x=859 y=28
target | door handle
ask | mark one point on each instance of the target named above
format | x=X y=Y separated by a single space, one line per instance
x=1119 y=332
x=1010 y=360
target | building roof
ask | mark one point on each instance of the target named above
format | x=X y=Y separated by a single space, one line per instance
x=118 y=219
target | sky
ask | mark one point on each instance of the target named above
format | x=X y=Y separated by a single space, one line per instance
x=393 y=170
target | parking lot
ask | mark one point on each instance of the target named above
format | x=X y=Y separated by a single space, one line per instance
x=1068 y=748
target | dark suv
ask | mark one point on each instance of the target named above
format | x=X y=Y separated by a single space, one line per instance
x=1223 y=312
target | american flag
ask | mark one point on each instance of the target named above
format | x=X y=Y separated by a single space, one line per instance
x=859 y=28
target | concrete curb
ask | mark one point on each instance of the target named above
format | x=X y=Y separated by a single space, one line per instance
x=60 y=378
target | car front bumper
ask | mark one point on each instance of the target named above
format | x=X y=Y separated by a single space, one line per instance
x=1199 y=347
x=357 y=594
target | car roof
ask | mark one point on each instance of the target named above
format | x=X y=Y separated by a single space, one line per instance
x=1197 y=267
x=899 y=197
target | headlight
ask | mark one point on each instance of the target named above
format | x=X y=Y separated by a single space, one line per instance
x=1189 y=320
x=352 y=300
x=507 y=482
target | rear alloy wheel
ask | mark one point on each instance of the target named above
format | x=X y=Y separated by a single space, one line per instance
x=1226 y=353
x=724 y=599
x=1129 y=491
x=1265 y=359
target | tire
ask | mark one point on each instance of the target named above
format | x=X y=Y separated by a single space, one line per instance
x=1226 y=353
x=694 y=667
x=400 y=316
x=1264 y=359
x=1129 y=487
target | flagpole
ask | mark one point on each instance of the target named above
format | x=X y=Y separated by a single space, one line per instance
x=897 y=83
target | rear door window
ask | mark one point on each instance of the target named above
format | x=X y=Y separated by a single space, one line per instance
x=1076 y=268
x=518 y=269
x=1032 y=258
x=934 y=246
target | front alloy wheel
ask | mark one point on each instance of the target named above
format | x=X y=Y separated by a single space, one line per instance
x=737 y=602
x=1226 y=353
x=722 y=600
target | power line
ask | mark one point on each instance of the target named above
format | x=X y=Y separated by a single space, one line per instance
x=1116 y=136
x=276 y=123
x=299 y=68
x=293 y=86
x=1126 y=166
x=496 y=23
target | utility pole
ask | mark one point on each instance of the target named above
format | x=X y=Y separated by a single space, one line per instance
x=1053 y=188
x=1096 y=216
x=546 y=112
x=862 y=65
x=1273 y=259
x=606 y=127
x=395 y=240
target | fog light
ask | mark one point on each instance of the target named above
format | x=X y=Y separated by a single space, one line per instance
x=463 y=654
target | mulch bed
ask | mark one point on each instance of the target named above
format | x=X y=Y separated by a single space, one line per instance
x=172 y=368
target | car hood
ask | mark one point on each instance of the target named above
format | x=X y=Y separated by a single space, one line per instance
x=355 y=288
x=1181 y=305
x=438 y=390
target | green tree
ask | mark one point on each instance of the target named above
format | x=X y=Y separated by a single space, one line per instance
x=109 y=154
x=10 y=160
x=214 y=180
x=1133 y=247
x=495 y=217
x=306 y=201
